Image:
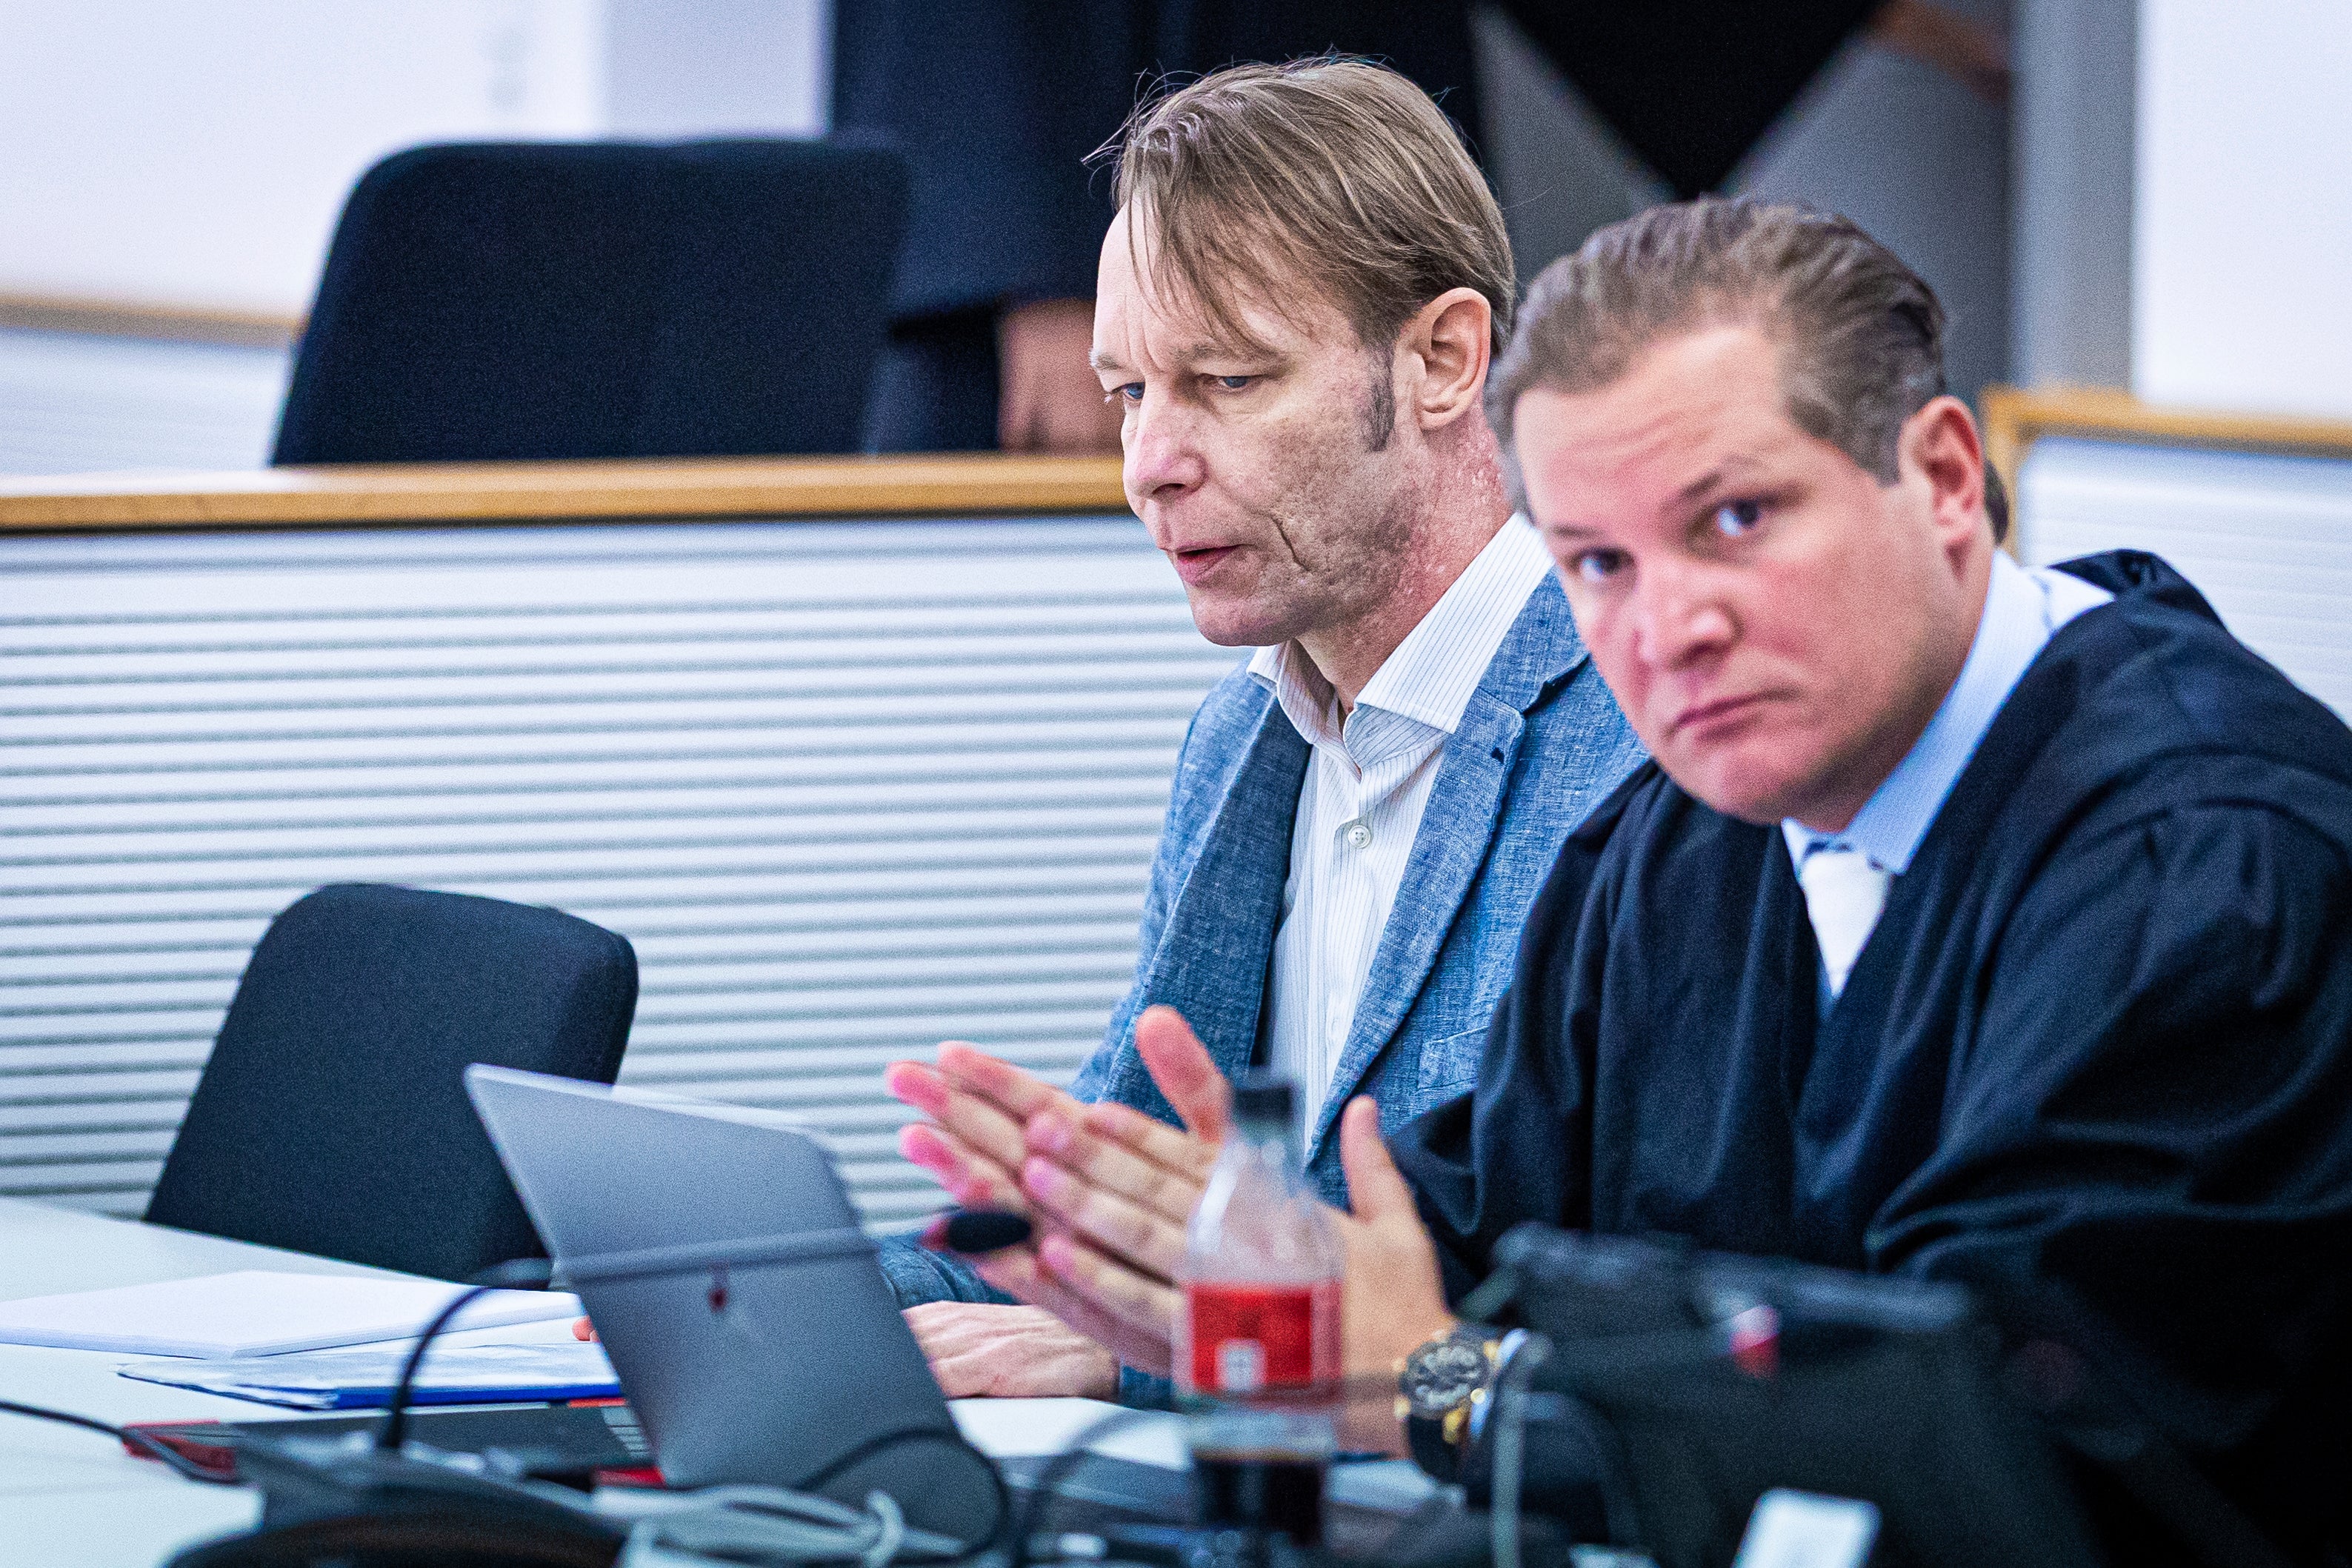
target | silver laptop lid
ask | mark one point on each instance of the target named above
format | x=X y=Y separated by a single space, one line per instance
x=721 y=1261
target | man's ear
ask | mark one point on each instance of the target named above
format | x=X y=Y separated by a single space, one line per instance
x=1940 y=443
x=1450 y=340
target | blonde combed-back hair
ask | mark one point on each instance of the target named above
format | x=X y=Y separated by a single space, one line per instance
x=1331 y=173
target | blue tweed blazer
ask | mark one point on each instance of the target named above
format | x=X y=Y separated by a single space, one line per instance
x=1541 y=743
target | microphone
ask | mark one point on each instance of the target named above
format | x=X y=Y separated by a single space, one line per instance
x=976 y=1231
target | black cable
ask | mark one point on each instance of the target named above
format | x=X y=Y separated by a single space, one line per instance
x=520 y=1271
x=954 y=1438
x=147 y=1443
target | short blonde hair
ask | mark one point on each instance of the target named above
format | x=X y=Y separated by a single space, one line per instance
x=1331 y=171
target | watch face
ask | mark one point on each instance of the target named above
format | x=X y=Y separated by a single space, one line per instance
x=1437 y=1377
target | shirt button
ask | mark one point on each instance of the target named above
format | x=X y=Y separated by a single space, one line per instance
x=1358 y=835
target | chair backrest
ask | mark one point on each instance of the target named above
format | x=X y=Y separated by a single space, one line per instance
x=537 y=301
x=332 y=1117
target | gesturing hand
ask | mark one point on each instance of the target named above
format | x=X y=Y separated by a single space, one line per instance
x=1010 y=1352
x=976 y=1144
x=1114 y=1189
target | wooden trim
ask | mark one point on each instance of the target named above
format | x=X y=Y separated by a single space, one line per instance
x=159 y=323
x=378 y=495
x=2014 y=419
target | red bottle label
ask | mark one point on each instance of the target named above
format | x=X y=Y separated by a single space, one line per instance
x=1245 y=1338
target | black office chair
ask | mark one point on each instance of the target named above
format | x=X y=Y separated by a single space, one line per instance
x=332 y=1117
x=527 y=302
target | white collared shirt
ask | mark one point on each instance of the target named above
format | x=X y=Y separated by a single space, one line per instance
x=1360 y=804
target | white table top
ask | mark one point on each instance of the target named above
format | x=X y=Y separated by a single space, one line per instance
x=77 y=1493
x=73 y=1496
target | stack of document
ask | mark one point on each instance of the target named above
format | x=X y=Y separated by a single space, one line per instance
x=362 y=1377
x=287 y=1339
x=253 y=1312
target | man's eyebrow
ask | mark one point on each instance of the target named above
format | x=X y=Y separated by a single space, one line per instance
x=1570 y=531
x=1102 y=361
x=1714 y=478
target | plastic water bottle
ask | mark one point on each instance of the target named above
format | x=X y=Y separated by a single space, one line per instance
x=1258 y=1339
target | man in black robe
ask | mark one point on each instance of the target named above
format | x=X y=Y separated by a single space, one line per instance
x=1975 y=923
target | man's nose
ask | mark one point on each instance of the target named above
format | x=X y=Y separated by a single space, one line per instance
x=1163 y=453
x=1683 y=620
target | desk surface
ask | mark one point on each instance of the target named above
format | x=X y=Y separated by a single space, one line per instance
x=71 y=1496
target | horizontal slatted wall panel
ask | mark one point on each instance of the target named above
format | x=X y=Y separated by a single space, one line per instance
x=850 y=788
x=2266 y=538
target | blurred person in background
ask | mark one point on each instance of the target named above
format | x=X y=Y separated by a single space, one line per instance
x=997 y=108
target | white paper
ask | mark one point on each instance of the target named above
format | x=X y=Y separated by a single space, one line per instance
x=362 y=1377
x=1801 y=1529
x=253 y=1312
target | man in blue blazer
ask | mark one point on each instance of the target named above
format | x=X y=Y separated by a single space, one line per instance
x=1361 y=816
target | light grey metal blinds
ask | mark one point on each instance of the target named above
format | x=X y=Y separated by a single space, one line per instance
x=2267 y=538
x=850 y=788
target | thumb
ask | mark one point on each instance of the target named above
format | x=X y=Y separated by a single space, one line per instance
x=1377 y=1190
x=1184 y=1070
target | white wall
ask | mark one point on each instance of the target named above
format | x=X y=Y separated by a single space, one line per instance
x=157 y=153
x=2242 y=213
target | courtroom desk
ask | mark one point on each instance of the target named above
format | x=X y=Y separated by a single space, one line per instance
x=70 y=1496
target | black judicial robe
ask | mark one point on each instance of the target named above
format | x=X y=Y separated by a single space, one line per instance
x=2095 y=1062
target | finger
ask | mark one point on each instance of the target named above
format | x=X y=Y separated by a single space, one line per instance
x=912 y=1083
x=1114 y=1166
x=1377 y=1190
x=973 y=1180
x=983 y=1125
x=1184 y=1070
x=1140 y=1236
x=1019 y=1095
x=582 y=1329
x=1017 y=1273
x=1154 y=1140
x=1133 y=1299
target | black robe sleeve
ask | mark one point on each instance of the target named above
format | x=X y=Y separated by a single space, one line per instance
x=2148 y=1130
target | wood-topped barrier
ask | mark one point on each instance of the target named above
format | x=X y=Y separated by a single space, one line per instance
x=861 y=754
x=395 y=495
x=2014 y=419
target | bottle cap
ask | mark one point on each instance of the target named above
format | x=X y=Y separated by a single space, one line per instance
x=1264 y=1096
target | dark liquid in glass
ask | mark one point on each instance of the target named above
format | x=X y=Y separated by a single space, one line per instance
x=1260 y=1491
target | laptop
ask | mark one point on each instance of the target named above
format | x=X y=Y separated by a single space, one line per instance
x=722 y=1264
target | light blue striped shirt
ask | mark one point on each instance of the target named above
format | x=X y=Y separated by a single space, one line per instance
x=2023 y=609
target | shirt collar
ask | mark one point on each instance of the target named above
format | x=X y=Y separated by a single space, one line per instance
x=1429 y=679
x=2023 y=609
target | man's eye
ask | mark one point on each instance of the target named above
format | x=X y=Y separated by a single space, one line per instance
x=1737 y=520
x=1130 y=391
x=1233 y=383
x=1597 y=565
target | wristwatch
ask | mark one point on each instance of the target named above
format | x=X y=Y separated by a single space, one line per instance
x=1439 y=1389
